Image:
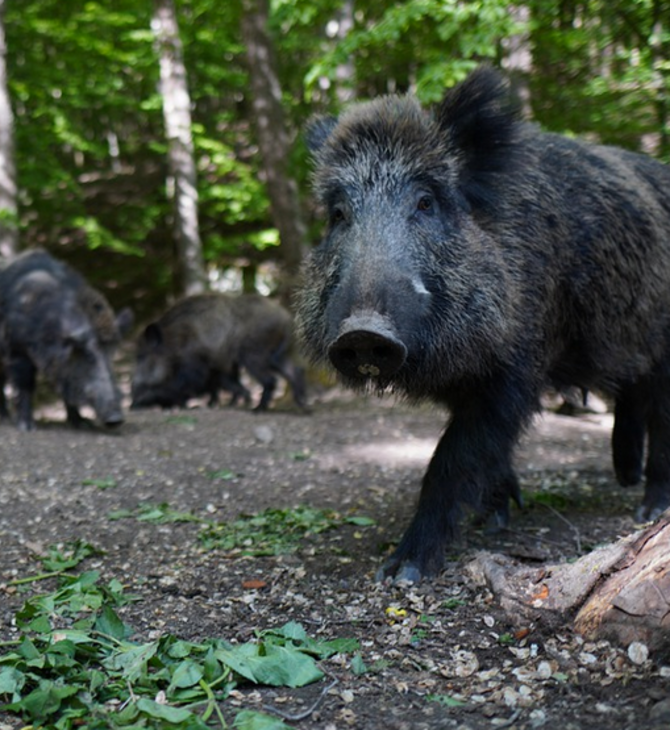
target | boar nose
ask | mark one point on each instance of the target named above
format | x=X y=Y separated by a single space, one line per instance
x=367 y=353
x=114 y=420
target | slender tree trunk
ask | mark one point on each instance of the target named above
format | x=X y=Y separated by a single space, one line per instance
x=177 y=115
x=9 y=232
x=518 y=57
x=345 y=74
x=273 y=139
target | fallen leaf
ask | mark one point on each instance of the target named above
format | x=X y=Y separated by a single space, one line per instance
x=253 y=584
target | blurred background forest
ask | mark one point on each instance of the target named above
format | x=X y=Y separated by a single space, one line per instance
x=156 y=144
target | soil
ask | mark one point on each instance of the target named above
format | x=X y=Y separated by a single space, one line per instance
x=441 y=641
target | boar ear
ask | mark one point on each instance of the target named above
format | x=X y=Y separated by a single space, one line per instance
x=318 y=130
x=153 y=335
x=481 y=119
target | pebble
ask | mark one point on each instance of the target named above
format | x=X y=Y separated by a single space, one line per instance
x=638 y=652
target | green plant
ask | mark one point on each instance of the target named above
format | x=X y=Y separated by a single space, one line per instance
x=75 y=666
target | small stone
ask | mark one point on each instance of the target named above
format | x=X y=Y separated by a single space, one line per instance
x=638 y=652
x=264 y=434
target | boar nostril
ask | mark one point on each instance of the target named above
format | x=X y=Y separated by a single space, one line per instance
x=367 y=354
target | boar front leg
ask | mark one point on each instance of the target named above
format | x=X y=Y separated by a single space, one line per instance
x=22 y=374
x=472 y=465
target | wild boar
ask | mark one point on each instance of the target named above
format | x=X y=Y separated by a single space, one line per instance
x=473 y=260
x=200 y=344
x=53 y=323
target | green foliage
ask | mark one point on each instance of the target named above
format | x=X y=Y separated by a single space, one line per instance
x=75 y=666
x=273 y=531
x=424 y=44
x=270 y=532
x=157 y=514
x=603 y=67
x=90 y=142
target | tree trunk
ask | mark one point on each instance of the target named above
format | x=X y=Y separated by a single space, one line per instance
x=273 y=139
x=177 y=115
x=620 y=591
x=345 y=73
x=9 y=232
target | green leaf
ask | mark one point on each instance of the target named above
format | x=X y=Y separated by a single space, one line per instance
x=46 y=699
x=104 y=483
x=132 y=660
x=272 y=665
x=360 y=521
x=250 y=720
x=11 y=680
x=291 y=630
x=110 y=624
x=174 y=715
x=186 y=674
x=358 y=666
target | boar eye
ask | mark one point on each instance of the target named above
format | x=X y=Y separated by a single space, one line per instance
x=425 y=204
x=336 y=215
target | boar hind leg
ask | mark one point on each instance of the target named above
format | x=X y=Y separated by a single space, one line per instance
x=657 y=488
x=22 y=375
x=294 y=375
x=629 y=432
x=267 y=380
x=494 y=510
x=473 y=456
x=231 y=382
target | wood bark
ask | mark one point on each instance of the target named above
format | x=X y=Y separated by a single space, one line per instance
x=9 y=232
x=177 y=116
x=620 y=591
x=273 y=139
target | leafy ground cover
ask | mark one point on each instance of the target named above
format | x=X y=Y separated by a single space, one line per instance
x=76 y=665
x=156 y=574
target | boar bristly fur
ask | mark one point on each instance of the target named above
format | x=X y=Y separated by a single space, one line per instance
x=474 y=260
x=199 y=346
x=54 y=324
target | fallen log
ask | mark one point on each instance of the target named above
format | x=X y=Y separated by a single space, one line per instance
x=619 y=591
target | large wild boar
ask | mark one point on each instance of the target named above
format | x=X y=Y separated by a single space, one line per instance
x=473 y=260
x=53 y=323
x=199 y=345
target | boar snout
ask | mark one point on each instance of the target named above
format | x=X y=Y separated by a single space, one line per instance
x=367 y=348
x=114 y=420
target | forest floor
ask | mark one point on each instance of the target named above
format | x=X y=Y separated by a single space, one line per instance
x=440 y=654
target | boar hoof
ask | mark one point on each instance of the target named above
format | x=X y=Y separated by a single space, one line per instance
x=649 y=513
x=363 y=354
x=407 y=573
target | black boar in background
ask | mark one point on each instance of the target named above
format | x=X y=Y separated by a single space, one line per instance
x=473 y=260
x=199 y=345
x=53 y=323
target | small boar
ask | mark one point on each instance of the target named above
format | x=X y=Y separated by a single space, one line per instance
x=53 y=323
x=199 y=345
x=473 y=260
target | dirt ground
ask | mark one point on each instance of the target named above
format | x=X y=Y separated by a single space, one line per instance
x=443 y=641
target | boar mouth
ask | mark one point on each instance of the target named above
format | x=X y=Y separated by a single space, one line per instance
x=367 y=348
